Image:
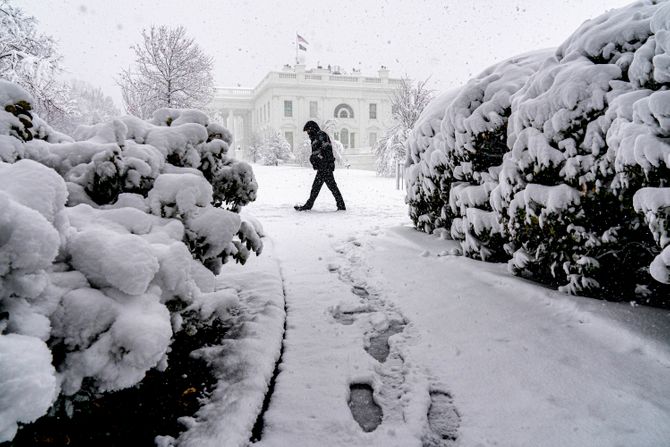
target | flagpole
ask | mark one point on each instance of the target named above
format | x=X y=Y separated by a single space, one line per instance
x=296 y=48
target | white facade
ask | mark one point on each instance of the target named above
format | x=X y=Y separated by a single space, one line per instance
x=357 y=107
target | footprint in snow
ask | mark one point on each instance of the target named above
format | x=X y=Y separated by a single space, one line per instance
x=443 y=421
x=379 y=344
x=346 y=314
x=360 y=291
x=363 y=407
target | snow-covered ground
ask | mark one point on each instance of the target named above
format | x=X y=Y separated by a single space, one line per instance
x=523 y=365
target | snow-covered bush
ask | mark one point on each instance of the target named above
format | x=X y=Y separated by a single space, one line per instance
x=587 y=131
x=654 y=203
x=425 y=167
x=105 y=242
x=302 y=152
x=475 y=132
x=585 y=171
x=270 y=147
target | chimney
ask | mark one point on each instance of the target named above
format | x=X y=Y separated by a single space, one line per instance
x=384 y=74
x=300 y=72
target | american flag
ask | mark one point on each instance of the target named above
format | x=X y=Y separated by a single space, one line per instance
x=301 y=39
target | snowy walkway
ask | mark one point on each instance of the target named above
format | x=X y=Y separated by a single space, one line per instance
x=524 y=366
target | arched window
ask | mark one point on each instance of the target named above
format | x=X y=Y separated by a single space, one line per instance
x=344 y=111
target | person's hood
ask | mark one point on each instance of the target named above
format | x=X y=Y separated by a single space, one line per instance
x=311 y=127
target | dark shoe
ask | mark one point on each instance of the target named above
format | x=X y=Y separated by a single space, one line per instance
x=341 y=208
x=302 y=208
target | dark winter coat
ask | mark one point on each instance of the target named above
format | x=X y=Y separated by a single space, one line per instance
x=322 y=157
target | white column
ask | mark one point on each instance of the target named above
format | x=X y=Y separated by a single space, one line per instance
x=229 y=120
x=238 y=134
x=241 y=133
x=230 y=125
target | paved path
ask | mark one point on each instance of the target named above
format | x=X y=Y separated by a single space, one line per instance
x=473 y=353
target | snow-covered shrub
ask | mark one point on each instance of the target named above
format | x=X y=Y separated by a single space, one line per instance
x=654 y=203
x=475 y=132
x=425 y=167
x=270 y=147
x=587 y=131
x=128 y=155
x=234 y=185
x=585 y=170
x=32 y=198
x=16 y=118
x=27 y=382
x=104 y=243
x=302 y=152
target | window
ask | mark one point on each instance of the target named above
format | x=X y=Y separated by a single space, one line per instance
x=344 y=137
x=372 y=138
x=289 y=138
x=288 y=109
x=344 y=111
x=352 y=140
x=313 y=109
x=373 y=111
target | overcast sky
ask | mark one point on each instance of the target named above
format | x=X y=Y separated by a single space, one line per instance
x=446 y=40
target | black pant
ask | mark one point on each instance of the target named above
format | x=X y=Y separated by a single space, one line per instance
x=324 y=176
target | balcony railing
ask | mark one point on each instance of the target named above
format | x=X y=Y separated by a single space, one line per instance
x=343 y=78
x=243 y=92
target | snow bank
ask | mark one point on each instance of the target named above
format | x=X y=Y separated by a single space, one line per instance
x=244 y=365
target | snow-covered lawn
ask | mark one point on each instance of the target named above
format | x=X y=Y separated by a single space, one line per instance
x=522 y=364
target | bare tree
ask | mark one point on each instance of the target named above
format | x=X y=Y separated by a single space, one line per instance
x=407 y=103
x=90 y=106
x=31 y=60
x=170 y=71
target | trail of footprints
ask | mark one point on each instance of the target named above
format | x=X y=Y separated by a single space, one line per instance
x=443 y=419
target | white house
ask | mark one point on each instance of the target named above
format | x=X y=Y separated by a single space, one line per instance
x=357 y=106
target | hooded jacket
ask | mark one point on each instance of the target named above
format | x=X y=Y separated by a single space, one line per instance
x=322 y=157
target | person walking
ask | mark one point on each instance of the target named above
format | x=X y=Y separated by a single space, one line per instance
x=323 y=162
